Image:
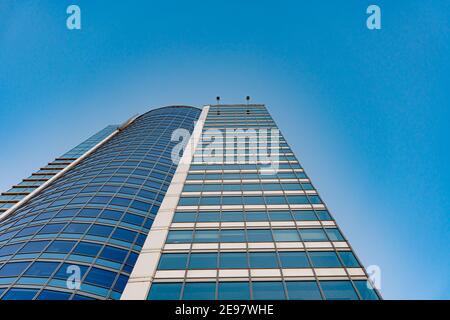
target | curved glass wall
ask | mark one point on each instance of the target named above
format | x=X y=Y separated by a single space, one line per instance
x=80 y=237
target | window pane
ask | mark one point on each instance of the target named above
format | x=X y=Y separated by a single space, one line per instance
x=294 y=260
x=286 y=235
x=203 y=261
x=263 y=260
x=165 y=291
x=313 y=235
x=179 y=236
x=366 y=290
x=13 y=269
x=172 y=261
x=268 y=291
x=338 y=290
x=261 y=235
x=234 y=291
x=303 y=290
x=199 y=291
x=206 y=236
x=348 y=259
x=42 y=269
x=232 y=236
x=233 y=260
x=334 y=234
x=19 y=294
x=53 y=295
x=324 y=259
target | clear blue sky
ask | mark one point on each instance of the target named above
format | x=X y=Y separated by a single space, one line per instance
x=367 y=112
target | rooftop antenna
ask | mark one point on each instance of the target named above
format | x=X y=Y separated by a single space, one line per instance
x=247 y=98
x=218 y=99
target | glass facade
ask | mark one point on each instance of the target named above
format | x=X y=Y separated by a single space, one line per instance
x=237 y=218
x=79 y=237
x=244 y=230
x=11 y=197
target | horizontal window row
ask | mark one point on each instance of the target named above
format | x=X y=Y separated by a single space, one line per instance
x=254 y=235
x=239 y=216
x=242 y=166
x=30 y=294
x=258 y=260
x=248 y=200
x=263 y=290
x=83 y=229
x=55 y=270
x=77 y=248
x=246 y=176
x=247 y=187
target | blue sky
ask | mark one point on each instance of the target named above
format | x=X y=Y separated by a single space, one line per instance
x=367 y=112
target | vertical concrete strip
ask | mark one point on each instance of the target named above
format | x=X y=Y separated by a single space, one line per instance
x=144 y=270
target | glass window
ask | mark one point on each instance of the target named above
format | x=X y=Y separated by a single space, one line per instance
x=19 y=294
x=13 y=269
x=306 y=215
x=234 y=291
x=275 y=200
x=52 y=228
x=100 y=230
x=100 y=277
x=232 y=216
x=286 y=235
x=334 y=234
x=87 y=248
x=338 y=290
x=259 y=235
x=233 y=260
x=114 y=254
x=10 y=249
x=268 y=290
x=324 y=215
x=123 y=234
x=365 y=290
x=232 y=236
x=42 y=269
x=76 y=228
x=199 y=291
x=60 y=246
x=203 y=261
x=173 y=261
x=263 y=260
x=184 y=217
x=188 y=202
x=303 y=290
x=206 y=236
x=313 y=235
x=179 y=236
x=324 y=259
x=34 y=246
x=294 y=259
x=208 y=216
x=165 y=291
x=280 y=215
x=349 y=259
x=257 y=216
x=53 y=295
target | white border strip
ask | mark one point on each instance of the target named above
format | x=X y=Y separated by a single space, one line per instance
x=144 y=270
x=11 y=210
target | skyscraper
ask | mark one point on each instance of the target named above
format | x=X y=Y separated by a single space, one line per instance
x=236 y=217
